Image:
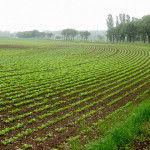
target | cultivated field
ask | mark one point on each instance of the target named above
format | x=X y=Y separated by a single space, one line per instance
x=54 y=92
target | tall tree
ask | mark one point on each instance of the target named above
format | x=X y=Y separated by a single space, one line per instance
x=124 y=18
x=131 y=30
x=146 y=24
x=69 y=34
x=64 y=34
x=73 y=33
x=110 y=25
x=122 y=32
x=117 y=21
x=49 y=35
x=110 y=21
x=84 y=34
x=127 y=18
x=121 y=18
x=141 y=30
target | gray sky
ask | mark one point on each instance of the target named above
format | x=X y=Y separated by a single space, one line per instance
x=20 y=15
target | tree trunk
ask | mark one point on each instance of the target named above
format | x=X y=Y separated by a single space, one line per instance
x=144 y=38
x=133 y=38
x=123 y=38
x=130 y=39
x=148 y=38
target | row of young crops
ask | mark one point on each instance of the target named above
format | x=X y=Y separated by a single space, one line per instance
x=48 y=92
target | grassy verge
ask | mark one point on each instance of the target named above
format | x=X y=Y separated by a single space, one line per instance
x=125 y=131
x=121 y=132
x=140 y=140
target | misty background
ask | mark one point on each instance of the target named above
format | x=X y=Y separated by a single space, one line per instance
x=52 y=16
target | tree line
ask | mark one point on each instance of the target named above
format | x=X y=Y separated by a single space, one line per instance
x=128 y=29
x=33 y=34
x=67 y=34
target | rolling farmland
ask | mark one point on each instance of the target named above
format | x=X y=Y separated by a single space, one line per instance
x=48 y=89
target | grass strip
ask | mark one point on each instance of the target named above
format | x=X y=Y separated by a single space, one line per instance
x=124 y=132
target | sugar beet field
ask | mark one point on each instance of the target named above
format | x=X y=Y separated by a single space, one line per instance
x=49 y=89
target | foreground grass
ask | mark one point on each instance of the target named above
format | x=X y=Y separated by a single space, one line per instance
x=124 y=133
x=140 y=140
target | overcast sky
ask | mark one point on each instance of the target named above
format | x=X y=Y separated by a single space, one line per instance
x=21 y=15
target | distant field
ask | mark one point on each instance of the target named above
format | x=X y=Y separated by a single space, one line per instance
x=54 y=92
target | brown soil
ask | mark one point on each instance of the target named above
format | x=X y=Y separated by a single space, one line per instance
x=14 y=47
x=144 y=145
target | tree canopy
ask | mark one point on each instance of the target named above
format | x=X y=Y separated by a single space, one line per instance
x=84 y=35
x=128 y=29
x=34 y=34
x=69 y=34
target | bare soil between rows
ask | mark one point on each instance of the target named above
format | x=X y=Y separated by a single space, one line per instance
x=14 y=47
x=59 y=138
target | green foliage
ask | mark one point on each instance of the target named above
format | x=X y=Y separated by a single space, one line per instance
x=61 y=129
x=34 y=34
x=69 y=34
x=124 y=131
x=40 y=139
x=49 y=134
x=17 y=117
x=31 y=121
x=14 y=111
x=84 y=34
x=26 y=146
x=135 y=30
x=61 y=85
x=110 y=21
